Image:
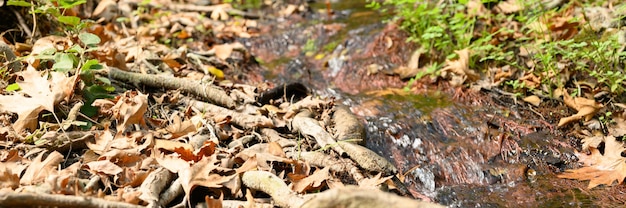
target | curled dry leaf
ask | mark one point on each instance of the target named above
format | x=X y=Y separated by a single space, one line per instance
x=130 y=109
x=458 y=71
x=586 y=108
x=314 y=182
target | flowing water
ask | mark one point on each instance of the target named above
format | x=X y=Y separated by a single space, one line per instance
x=461 y=149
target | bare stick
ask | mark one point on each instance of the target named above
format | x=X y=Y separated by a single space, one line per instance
x=205 y=91
x=13 y=199
x=154 y=184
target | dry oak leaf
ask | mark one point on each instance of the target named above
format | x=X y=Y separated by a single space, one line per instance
x=204 y=173
x=458 y=71
x=314 y=182
x=38 y=170
x=37 y=93
x=603 y=169
x=130 y=109
x=586 y=108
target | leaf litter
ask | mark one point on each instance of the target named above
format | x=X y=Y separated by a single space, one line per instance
x=148 y=144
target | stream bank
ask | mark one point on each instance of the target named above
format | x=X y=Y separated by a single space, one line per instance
x=454 y=146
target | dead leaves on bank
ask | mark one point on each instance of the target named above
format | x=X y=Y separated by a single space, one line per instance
x=602 y=166
x=38 y=92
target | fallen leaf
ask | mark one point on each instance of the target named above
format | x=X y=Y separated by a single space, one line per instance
x=8 y=179
x=104 y=166
x=313 y=182
x=38 y=170
x=586 y=108
x=533 y=99
x=603 y=169
x=130 y=109
x=37 y=94
x=223 y=51
x=509 y=6
x=202 y=174
x=458 y=71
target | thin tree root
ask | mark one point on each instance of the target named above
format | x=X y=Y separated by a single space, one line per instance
x=307 y=126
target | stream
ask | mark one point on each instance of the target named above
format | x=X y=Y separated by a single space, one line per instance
x=456 y=147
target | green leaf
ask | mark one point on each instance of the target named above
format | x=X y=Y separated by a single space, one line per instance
x=108 y=82
x=91 y=64
x=13 y=87
x=89 y=39
x=19 y=3
x=75 y=49
x=66 y=4
x=69 y=20
x=64 y=62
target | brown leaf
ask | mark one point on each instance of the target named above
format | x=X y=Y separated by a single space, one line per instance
x=313 y=182
x=130 y=109
x=104 y=166
x=223 y=51
x=533 y=99
x=604 y=168
x=586 y=108
x=509 y=6
x=180 y=128
x=8 y=179
x=37 y=94
x=39 y=170
x=374 y=182
x=202 y=174
x=458 y=71
x=275 y=149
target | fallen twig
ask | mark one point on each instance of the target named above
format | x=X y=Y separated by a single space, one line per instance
x=205 y=91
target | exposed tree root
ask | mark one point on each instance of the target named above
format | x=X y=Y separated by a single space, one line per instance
x=206 y=91
x=14 y=199
x=347 y=126
x=271 y=184
x=307 y=126
x=353 y=197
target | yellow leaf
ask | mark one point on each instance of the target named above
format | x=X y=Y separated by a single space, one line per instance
x=219 y=74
